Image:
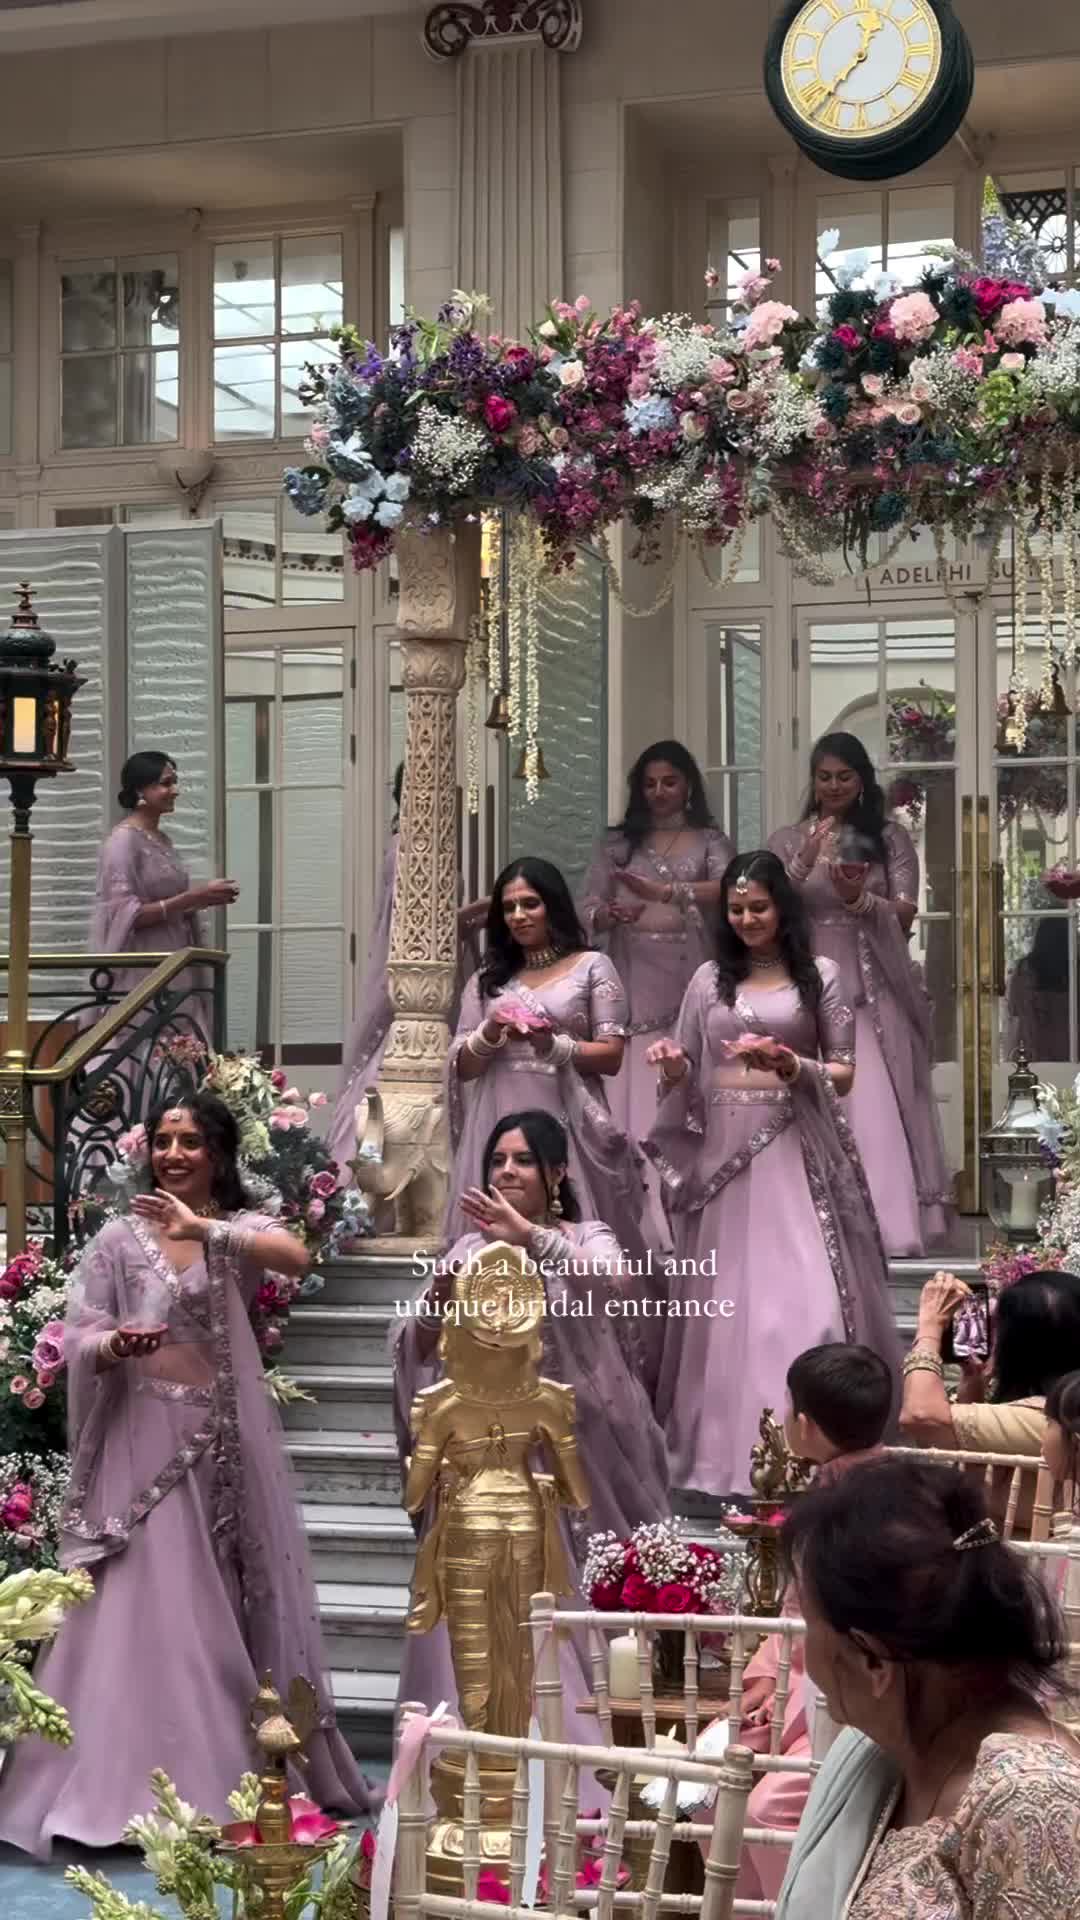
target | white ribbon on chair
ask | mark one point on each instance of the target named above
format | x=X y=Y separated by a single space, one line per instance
x=413 y=1734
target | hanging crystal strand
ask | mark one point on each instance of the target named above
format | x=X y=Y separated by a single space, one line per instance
x=1016 y=725
x=531 y=585
x=495 y=609
x=1068 y=524
x=476 y=654
x=513 y=628
x=1046 y=579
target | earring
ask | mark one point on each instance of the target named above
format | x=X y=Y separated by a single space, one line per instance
x=555 y=1204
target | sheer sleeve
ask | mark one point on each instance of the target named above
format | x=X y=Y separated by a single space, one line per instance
x=1014 y=1844
x=786 y=843
x=719 y=854
x=690 y=1031
x=903 y=864
x=471 y=1011
x=835 y=1019
x=599 y=889
x=94 y=1310
x=609 y=1008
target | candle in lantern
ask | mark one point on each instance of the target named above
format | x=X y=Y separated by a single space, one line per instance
x=623 y=1667
x=1024 y=1194
x=24 y=736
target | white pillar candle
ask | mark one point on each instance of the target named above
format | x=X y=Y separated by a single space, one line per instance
x=623 y=1667
x=1024 y=1200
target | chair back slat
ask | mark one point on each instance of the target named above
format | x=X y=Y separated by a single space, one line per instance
x=614 y=1841
x=565 y=1877
x=1022 y=1468
x=598 y=1652
x=661 y=1852
x=645 y=1687
x=735 y=1776
x=690 y=1687
x=471 y=1857
x=519 y=1830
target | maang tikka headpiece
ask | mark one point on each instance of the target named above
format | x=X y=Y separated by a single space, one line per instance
x=742 y=884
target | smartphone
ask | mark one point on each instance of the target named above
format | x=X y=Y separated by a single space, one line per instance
x=967 y=1336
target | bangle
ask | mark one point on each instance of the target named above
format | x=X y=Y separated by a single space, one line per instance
x=922 y=1360
x=164 y=911
x=797 y=871
x=107 y=1346
x=481 y=1047
x=224 y=1237
x=790 y=1072
x=672 y=1079
x=563 y=1049
x=864 y=903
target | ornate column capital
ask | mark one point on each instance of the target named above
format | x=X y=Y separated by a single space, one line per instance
x=457 y=24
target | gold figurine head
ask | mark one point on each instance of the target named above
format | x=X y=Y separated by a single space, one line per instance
x=499 y=1297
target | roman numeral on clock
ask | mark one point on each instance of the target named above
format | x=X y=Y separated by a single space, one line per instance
x=812 y=95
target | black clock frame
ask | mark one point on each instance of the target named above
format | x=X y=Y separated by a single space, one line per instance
x=893 y=152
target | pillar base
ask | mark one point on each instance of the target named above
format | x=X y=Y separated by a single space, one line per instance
x=446 y=1835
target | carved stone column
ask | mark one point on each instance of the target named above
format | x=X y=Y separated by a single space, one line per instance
x=439 y=576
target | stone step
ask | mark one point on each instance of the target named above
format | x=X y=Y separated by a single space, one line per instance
x=363 y=1625
x=355 y=1336
x=337 y=1468
x=365 y=1710
x=351 y=1544
x=345 y=1400
x=372 y=1280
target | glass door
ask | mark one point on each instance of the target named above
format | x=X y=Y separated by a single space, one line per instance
x=905 y=687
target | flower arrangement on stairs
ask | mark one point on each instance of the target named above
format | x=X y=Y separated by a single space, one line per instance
x=32 y=1608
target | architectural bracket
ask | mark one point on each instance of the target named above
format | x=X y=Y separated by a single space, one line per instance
x=450 y=27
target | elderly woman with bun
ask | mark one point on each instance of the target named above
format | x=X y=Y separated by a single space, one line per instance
x=954 y=1792
x=145 y=902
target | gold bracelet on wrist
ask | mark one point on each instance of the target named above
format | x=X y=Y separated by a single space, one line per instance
x=923 y=1360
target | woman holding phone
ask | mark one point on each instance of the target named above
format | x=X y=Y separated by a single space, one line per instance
x=181 y=1507
x=858 y=874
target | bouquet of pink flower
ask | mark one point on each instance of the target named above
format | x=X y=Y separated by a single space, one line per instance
x=33 y=1387
x=658 y=1570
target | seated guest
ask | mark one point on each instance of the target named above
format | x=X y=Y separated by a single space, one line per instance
x=1061 y=1435
x=952 y=1795
x=839 y=1399
x=1000 y=1407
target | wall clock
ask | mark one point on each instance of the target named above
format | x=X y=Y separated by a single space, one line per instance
x=869 y=88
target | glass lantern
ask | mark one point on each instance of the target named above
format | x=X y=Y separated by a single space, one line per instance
x=1018 y=1181
x=35 y=703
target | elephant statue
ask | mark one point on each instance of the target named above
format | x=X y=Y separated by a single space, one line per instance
x=403 y=1163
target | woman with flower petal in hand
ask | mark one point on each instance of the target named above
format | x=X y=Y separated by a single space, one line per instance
x=858 y=874
x=180 y=1504
x=774 y=1231
x=542 y=1024
x=526 y=1200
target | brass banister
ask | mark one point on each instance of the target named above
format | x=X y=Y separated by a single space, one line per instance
x=90 y=962
x=97 y=1037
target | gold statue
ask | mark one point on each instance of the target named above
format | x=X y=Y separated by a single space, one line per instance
x=495 y=1539
x=774 y=1471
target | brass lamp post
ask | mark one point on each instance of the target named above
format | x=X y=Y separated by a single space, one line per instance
x=35 y=732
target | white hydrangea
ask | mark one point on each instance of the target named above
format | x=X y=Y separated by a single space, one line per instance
x=450 y=451
x=938 y=379
x=683 y=354
x=791 y=414
x=1055 y=370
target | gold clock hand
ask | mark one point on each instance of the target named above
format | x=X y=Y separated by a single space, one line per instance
x=870 y=23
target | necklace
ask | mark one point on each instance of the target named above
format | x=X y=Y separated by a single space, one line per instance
x=760 y=964
x=542 y=957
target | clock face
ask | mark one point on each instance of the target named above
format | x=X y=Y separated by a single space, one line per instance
x=856 y=68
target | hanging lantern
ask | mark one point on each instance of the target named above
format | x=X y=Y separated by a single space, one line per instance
x=1019 y=1182
x=35 y=698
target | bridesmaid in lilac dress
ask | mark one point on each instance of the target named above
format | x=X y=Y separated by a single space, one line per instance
x=526 y=1200
x=542 y=1024
x=858 y=873
x=774 y=1229
x=367 y=1039
x=145 y=902
x=180 y=1504
x=653 y=888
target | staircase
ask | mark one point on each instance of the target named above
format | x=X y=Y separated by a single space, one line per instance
x=344 y=1454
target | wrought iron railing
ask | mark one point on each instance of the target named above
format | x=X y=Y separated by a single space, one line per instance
x=115 y=1067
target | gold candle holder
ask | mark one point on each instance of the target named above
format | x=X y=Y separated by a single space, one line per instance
x=276 y=1862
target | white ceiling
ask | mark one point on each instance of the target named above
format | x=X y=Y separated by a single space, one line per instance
x=63 y=25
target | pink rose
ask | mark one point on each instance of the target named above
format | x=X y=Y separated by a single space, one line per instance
x=278 y=1080
x=33 y=1398
x=572 y=374
x=1022 y=323
x=271 y=1340
x=18 y=1507
x=970 y=360
x=132 y=1145
x=637 y=1595
x=739 y=402
x=767 y=322
x=316 y=1212
x=773 y=266
x=46 y=1380
x=528 y=442
x=316 y=1099
x=721 y=372
x=323 y=1185
x=847 y=336
x=675 y=1597
x=560 y=439
x=499 y=414
x=908 y=414
x=712 y=279
x=873 y=384
x=582 y=304
x=18 y=1385
x=913 y=317
x=824 y=430
x=1012 y=363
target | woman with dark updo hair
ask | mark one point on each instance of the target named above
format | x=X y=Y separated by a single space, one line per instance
x=858 y=873
x=775 y=1239
x=954 y=1791
x=145 y=902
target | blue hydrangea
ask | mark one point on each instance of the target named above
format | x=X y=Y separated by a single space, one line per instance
x=348 y=458
x=649 y=413
x=307 y=491
x=388 y=513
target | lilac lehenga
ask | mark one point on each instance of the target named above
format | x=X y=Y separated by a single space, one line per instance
x=620 y=1444
x=776 y=1244
x=656 y=957
x=181 y=1507
x=605 y=1168
x=891 y=1108
x=136 y=869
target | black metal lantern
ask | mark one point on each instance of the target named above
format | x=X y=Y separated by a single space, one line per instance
x=35 y=702
x=1019 y=1180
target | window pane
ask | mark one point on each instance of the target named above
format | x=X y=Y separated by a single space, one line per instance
x=88 y=402
x=6 y=372
x=311 y=981
x=733 y=692
x=154 y=517
x=1039 y=202
x=313 y=827
x=151 y=392
x=150 y=296
x=247 y=854
x=313 y=686
x=243 y=393
x=244 y=291
x=248 y=986
x=85 y=516
x=856 y=217
x=5 y=307
x=1033 y=823
x=311 y=300
x=312 y=562
x=88 y=308
x=250 y=552
x=397 y=276
x=844 y=681
x=1039 y=996
x=918 y=217
x=296 y=355
x=734 y=248
x=920 y=676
